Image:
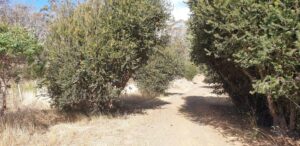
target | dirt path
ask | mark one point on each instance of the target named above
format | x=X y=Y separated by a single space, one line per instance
x=165 y=125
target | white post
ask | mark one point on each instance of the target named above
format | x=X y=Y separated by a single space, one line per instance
x=20 y=92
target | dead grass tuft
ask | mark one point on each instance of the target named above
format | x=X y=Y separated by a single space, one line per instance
x=37 y=119
x=18 y=127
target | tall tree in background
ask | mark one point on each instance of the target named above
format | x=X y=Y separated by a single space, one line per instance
x=4 y=7
x=24 y=16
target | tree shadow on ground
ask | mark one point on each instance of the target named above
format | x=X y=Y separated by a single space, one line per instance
x=172 y=94
x=137 y=104
x=220 y=113
x=207 y=86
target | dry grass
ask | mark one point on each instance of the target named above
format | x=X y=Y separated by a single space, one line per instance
x=26 y=94
x=33 y=126
x=29 y=126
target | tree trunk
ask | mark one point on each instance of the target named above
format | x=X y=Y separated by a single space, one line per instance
x=278 y=119
x=292 y=124
x=3 y=108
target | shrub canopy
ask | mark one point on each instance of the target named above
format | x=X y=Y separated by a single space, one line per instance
x=162 y=68
x=96 y=47
x=251 y=46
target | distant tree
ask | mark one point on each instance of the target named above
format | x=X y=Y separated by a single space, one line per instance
x=4 y=7
x=23 y=15
x=162 y=68
x=167 y=64
x=19 y=51
x=180 y=44
x=179 y=38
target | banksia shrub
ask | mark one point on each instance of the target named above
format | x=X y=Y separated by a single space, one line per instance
x=95 y=48
x=162 y=68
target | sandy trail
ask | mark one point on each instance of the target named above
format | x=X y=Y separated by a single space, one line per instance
x=166 y=125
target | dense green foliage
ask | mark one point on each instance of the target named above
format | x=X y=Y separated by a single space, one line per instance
x=251 y=46
x=190 y=70
x=180 y=45
x=19 y=55
x=95 y=48
x=162 y=68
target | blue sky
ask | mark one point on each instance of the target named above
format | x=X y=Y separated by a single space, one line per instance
x=37 y=4
x=180 y=9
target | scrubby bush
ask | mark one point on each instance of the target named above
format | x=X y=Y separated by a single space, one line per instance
x=162 y=68
x=95 y=48
x=252 y=48
x=190 y=70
